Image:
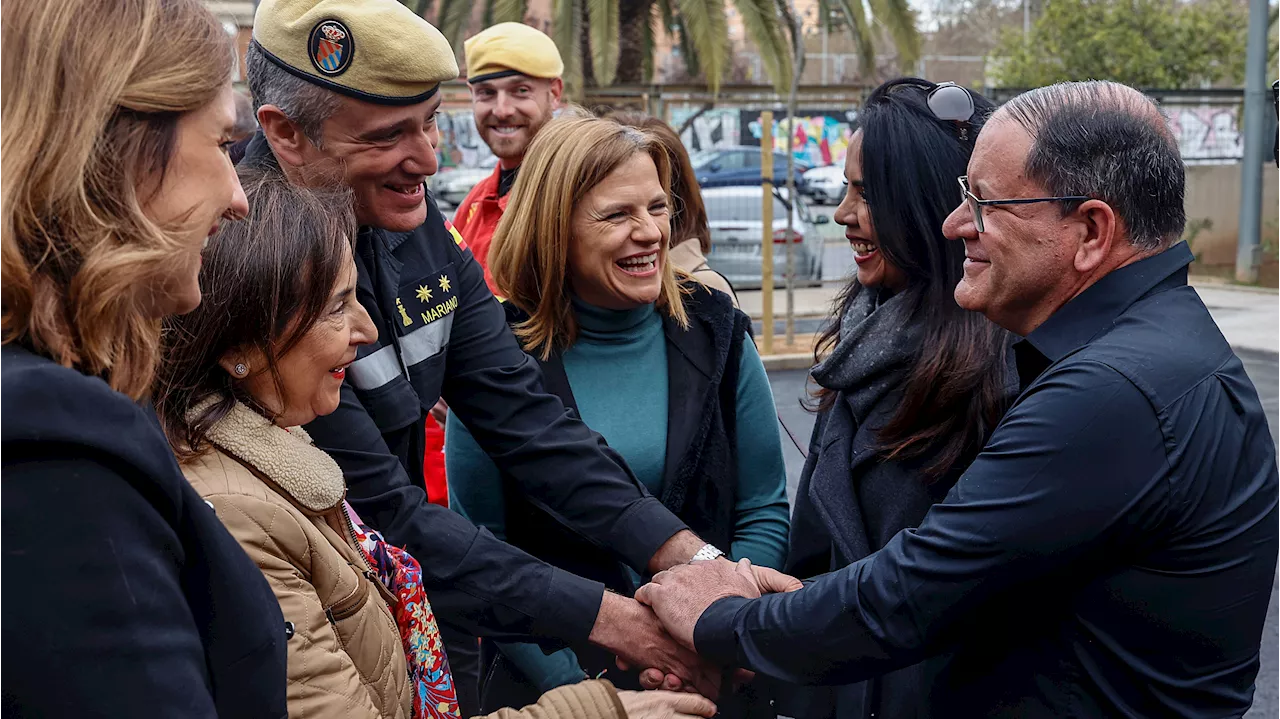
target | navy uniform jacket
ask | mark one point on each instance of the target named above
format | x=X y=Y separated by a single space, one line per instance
x=1111 y=552
x=442 y=333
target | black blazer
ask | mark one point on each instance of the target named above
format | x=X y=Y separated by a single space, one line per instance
x=124 y=596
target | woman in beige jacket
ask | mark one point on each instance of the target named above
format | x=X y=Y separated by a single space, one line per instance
x=267 y=352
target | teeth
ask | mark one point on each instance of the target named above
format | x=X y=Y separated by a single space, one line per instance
x=863 y=248
x=505 y=130
x=643 y=263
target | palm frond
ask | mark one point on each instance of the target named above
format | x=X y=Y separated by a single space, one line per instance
x=705 y=25
x=603 y=29
x=668 y=17
x=900 y=20
x=508 y=10
x=566 y=31
x=452 y=20
x=766 y=25
x=855 y=16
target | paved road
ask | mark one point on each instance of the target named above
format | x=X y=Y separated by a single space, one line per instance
x=789 y=388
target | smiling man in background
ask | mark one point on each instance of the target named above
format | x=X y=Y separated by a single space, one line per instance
x=514 y=73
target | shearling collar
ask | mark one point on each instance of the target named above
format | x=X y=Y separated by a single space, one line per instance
x=286 y=456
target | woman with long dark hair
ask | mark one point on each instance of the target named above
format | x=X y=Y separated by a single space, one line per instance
x=909 y=385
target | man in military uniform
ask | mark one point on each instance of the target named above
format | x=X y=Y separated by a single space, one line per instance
x=347 y=91
x=514 y=72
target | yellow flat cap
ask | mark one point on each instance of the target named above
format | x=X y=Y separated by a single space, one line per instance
x=511 y=48
x=373 y=50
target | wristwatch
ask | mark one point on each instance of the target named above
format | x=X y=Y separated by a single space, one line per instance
x=707 y=552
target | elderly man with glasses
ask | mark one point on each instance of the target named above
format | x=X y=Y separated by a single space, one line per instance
x=1112 y=550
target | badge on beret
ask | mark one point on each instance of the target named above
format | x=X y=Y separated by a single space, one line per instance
x=331 y=47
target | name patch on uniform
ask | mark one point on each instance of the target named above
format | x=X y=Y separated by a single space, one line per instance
x=427 y=299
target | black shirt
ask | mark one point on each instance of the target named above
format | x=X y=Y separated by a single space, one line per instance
x=1111 y=552
x=506 y=180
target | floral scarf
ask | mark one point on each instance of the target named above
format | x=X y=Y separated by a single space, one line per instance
x=434 y=696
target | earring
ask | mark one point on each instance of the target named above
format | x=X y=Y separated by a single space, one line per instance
x=240 y=369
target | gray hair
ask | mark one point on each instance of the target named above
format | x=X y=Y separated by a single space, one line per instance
x=306 y=104
x=1107 y=141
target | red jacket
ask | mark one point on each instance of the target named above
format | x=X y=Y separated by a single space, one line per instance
x=477 y=218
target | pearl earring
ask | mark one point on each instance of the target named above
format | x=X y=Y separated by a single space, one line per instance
x=240 y=369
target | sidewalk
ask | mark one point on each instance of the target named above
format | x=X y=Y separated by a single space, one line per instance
x=1249 y=317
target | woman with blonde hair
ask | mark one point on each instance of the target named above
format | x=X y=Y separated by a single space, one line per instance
x=658 y=364
x=125 y=596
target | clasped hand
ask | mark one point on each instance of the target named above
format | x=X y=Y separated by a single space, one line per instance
x=661 y=637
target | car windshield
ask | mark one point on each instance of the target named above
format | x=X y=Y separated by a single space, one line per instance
x=739 y=208
x=702 y=158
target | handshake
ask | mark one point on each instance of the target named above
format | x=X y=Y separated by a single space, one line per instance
x=655 y=630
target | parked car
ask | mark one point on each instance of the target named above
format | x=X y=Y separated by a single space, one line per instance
x=727 y=166
x=734 y=214
x=825 y=185
x=451 y=186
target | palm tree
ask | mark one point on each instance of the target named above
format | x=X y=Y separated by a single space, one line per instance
x=604 y=42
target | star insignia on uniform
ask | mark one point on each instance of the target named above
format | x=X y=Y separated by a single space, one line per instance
x=444 y=283
x=424 y=293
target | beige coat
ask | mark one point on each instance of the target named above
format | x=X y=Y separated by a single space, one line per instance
x=281 y=498
x=688 y=256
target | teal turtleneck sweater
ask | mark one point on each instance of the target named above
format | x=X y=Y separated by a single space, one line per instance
x=617 y=368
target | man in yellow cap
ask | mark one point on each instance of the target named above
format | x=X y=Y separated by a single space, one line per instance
x=514 y=74
x=347 y=90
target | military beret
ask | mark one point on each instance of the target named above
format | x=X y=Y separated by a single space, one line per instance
x=374 y=50
x=511 y=48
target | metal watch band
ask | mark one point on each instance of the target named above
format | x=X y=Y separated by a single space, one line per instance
x=708 y=551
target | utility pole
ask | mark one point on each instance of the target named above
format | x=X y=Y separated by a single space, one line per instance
x=1255 y=128
x=797 y=67
x=1026 y=19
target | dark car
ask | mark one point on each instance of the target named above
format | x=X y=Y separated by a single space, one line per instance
x=729 y=166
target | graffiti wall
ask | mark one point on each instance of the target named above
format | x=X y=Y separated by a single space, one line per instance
x=821 y=136
x=1207 y=134
x=460 y=143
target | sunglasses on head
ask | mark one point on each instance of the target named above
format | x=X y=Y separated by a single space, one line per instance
x=1275 y=100
x=951 y=102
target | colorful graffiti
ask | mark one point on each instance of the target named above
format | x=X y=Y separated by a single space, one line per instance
x=821 y=136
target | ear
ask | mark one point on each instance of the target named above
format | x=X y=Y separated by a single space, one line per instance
x=557 y=91
x=1101 y=231
x=287 y=140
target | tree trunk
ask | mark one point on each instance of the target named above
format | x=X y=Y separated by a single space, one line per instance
x=588 y=68
x=631 y=61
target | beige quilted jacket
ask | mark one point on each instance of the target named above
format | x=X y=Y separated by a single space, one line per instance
x=281 y=498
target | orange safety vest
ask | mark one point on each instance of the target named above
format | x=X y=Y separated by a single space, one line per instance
x=477 y=218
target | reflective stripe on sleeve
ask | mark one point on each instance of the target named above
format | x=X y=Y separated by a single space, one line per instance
x=375 y=369
x=426 y=341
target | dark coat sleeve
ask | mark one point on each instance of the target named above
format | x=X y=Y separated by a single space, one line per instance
x=474 y=580
x=94 y=611
x=1017 y=514
x=563 y=467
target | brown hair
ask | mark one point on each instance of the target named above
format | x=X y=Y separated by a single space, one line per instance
x=92 y=94
x=266 y=282
x=530 y=250
x=688 y=213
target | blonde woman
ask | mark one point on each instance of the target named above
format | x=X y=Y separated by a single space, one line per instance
x=125 y=596
x=658 y=364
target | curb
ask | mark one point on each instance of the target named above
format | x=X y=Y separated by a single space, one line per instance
x=774 y=363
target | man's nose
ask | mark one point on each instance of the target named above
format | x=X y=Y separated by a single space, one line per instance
x=503 y=107
x=421 y=159
x=960 y=225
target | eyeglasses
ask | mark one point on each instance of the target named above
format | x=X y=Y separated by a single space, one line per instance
x=976 y=204
x=1275 y=100
x=949 y=101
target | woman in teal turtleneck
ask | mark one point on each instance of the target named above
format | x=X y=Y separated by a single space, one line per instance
x=658 y=364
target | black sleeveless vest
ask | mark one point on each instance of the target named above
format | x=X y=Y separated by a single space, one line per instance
x=699 y=482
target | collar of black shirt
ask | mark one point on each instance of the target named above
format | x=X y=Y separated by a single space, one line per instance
x=1095 y=309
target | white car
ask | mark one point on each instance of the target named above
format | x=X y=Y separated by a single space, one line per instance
x=825 y=185
x=734 y=214
x=451 y=186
